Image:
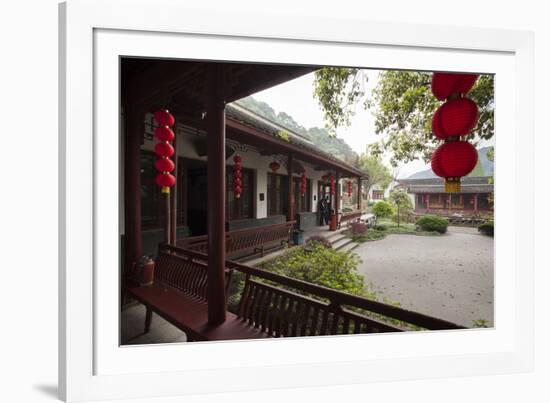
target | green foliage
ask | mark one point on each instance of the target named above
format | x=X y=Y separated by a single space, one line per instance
x=480 y=323
x=283 y=135
x=433 y=223
x=378 y=174
x=403 y=106
x=319 y=239
x=401 y=202
x=323 y=266
x=487 y=228
x=382 y=209
x=337 y=89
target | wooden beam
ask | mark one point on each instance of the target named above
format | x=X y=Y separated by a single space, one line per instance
x=216 y=196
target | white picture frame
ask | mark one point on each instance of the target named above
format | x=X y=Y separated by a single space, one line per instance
x=92 y=365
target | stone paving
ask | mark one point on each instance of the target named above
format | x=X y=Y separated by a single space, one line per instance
x=449 y=276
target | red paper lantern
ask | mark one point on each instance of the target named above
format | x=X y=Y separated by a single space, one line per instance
x=456 y=117
x=350 y=188
x=165 y=180
x=164 y=118
x=165 y=165
x=303 y=183
x=453 y=160
x=445 y=84
x=237 y=175
x=332 y=185
x=274 y=166
x=164 y=133
x=164 y=150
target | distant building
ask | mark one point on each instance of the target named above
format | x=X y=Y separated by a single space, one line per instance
x=428 y=196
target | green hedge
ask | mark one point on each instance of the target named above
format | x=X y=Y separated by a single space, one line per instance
x=432 y=223
x=487 y=228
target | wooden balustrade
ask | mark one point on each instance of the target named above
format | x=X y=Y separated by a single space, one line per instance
x=244 y=242
x=285 y=306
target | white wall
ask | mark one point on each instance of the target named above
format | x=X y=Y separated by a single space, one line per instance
x=251 y=159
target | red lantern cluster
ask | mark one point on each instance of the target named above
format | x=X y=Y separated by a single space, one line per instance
x=303 y=183
x=332 y=185
x=455 y=118
x=164 y=150
x=350 y=188
x=237 y=176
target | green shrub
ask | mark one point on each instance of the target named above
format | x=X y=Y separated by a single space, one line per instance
x=432 y=223
x=487 y=228
x=319 y=265
x=382 y=209
x=320 y=240
x=381 y=227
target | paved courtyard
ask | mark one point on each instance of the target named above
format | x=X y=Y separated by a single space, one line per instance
x=450 y=277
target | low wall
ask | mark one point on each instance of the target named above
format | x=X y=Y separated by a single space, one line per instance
x=307 y=220
x=255 y=222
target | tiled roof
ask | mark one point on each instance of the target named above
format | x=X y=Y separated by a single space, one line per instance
x=437 y=185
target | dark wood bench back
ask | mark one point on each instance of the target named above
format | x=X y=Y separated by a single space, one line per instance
x=187 y=275
x=283 y=313
x=238 y=241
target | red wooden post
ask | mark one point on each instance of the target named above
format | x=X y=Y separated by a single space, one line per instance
x=337 y=194
x=449 y=198
x=174 y=195
x=359 y=193
x=290 y=209
x=475 y=203
x=134 y=121
x=167 y=217
x=216 y=195
x=428 y=203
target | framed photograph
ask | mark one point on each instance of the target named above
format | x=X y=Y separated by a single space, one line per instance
x=245 y=207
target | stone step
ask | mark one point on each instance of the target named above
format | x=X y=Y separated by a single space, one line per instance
x=341 y=243
x=349 y=247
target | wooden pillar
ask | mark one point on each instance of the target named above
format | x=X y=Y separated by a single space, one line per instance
x=450 y=199
x=216 y=195
x=475 y=203
x=428 y=203
x=134 y=128
x=290 y=209
x=174 y=195
x=337 y=194
x=359 y=193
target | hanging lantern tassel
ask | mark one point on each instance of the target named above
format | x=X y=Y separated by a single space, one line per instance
x=303 y=183
x=237 y=176
x=350 y=188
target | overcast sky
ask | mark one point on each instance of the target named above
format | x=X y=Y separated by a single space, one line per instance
x=295 y=97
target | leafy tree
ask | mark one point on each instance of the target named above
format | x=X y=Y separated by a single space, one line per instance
x=403 y=106
x=402 y=203
x=379 y=174
x=382 y=209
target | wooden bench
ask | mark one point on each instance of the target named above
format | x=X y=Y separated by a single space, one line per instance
x=271 y=305
x=245 y=243
x=179 y=295
x=349 y=217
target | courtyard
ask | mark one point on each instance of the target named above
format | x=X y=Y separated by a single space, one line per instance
x=449 y=276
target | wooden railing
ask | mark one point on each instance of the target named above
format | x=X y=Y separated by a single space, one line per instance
x=350 y=216
x=253 y=240
x=285 y=306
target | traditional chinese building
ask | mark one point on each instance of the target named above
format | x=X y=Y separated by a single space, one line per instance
x=428 y=196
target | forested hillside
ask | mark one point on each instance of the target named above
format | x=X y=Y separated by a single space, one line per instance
x=320 y=136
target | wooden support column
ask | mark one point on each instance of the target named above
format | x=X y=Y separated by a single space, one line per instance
x=290 y=209
x=359 y=193
x=428 y=203
x=475 y=202
x=174 y=195
x=337 y=194
x=450 y=200
x=133 y=133
x=215 y=113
